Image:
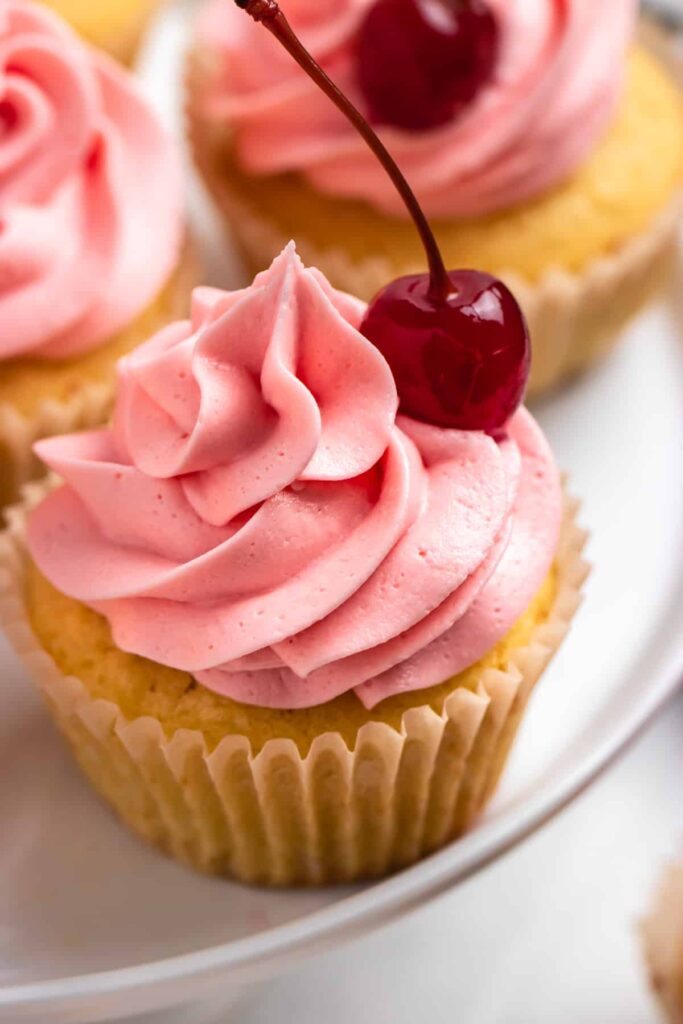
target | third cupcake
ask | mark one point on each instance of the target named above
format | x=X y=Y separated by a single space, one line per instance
x=544 y=146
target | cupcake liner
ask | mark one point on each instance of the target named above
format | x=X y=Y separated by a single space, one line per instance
x=662 y=937
x=277 y=817
x=574 y=317
x=87 y=407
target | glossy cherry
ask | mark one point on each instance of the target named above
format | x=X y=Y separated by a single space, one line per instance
x=456 y=341
x=461 y=361
x=421 y=61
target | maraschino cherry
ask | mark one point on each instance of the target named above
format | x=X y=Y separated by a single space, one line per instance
x=456 y=341
x=421 y=61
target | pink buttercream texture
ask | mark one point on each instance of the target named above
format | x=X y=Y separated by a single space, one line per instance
x=259 y=516
x=553 y=93
x=90 y=191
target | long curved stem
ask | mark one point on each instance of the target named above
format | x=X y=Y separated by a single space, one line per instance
x=269 y=14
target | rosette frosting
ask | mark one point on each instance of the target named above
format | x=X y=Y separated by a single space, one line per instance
x=90 y=191
x=553 y=92
x=259 y=516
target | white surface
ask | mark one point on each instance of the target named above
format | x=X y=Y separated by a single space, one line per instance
x=546 y=936
x=79 y=895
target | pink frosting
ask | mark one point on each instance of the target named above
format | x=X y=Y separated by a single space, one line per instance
x=90 y=191
x=554 y=91
x=258 y=515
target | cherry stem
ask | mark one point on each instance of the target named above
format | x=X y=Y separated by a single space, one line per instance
x=269 y=14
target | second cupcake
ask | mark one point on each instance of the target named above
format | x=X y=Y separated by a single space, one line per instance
x=543 y=147
x=91 y=232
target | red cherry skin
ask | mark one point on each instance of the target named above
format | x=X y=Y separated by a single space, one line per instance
x=459 y=362
x=420 y=62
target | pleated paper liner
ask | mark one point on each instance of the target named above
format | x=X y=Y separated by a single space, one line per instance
x=280 y=818
x=574 y=318
x=662 y=937
x=89 y=402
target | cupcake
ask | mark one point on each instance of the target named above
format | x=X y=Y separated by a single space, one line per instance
x=289 y=608
x=545 y=148
x=91 y=239
x=288 y=633
x=662 y=934
x=116 y=26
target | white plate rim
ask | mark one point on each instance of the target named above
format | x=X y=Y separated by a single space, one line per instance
x=273 y=949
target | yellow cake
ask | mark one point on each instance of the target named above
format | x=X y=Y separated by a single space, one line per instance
x=627 y=182
x=81 y=645
x=116 y=26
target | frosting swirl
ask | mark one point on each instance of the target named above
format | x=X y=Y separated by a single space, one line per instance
x=553 y=93
x=258 y=515
x=90 y=192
